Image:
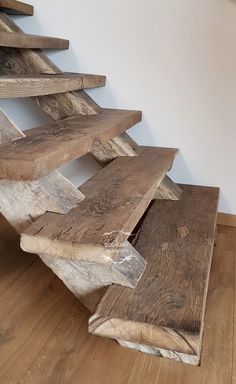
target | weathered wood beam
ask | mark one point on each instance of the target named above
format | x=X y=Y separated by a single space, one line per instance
x=168 y=190
x=20 y=40
x=14 y=86
x=21 y=203
x=166 y=309
x=14 y=7
x=47 y=147
x=61 y=106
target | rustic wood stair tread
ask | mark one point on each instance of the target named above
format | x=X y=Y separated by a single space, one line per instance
x=16 y=7
x=46 y=148
x=166 y=309
x=13 y=86
x=21 y=40
x=100 y=225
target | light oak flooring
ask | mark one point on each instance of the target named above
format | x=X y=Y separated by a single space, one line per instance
x=44 y=338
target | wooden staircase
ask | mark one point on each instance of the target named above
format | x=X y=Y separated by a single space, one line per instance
x=132 y=245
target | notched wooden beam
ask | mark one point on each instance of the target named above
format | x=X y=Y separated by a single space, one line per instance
x=168 y=190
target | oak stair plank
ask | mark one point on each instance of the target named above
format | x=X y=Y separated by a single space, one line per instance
x=97 y=229
x=13 y=86
x=165 y=312
x=46 y=148
x=21 y=40
x=14 y=7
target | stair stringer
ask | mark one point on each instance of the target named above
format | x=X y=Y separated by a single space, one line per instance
x=21 y=203
x=19 y=61
x=69 y=104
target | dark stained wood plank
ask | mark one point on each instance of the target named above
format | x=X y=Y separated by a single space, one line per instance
x=46 y=148
x=167 y=307
x=13 y=86
x=16 y=7
x=21 y=40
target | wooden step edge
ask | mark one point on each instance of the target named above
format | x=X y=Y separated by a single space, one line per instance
x=14 y=7
x=66 y=235
x=43 y=235
x=124 y=324
x=14 y=86
x=40 y=152
x=156 y=337
x=27 y=41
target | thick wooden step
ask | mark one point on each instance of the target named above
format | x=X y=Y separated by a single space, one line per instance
x=14 y=7
x=166 y=309
x=46 y=148
x=21 y=40
x=97 y=230
x=13 y=86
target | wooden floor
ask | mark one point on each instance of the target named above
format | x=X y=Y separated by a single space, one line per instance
x=44 y=338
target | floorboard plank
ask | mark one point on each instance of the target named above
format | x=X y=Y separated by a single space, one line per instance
x=36 y=304
x=69 y=355
x=13 y=262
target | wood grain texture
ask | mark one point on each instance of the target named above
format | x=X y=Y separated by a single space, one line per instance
x=230 y=246
x=165 y=353
x=26 y=61
x=14 y=7
x=70 y=355
x=104 y=220
x=12 y=264
x=42 y=297
x=13 y=86
x=20 y=40
x=226 y=219
x=62 y=105
x=8 y=130
x=46 y=148
x=168 y=190
x=21 y=203
x=166 y=310
x=121 y=145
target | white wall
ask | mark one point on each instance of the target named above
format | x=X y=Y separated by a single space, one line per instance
x=173 y=59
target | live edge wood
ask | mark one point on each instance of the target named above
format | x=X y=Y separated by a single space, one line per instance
x=46 y=148
x=166 y=309
x=20 y=40
x=13 y=86
x=120 y=194
x=16 y=7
